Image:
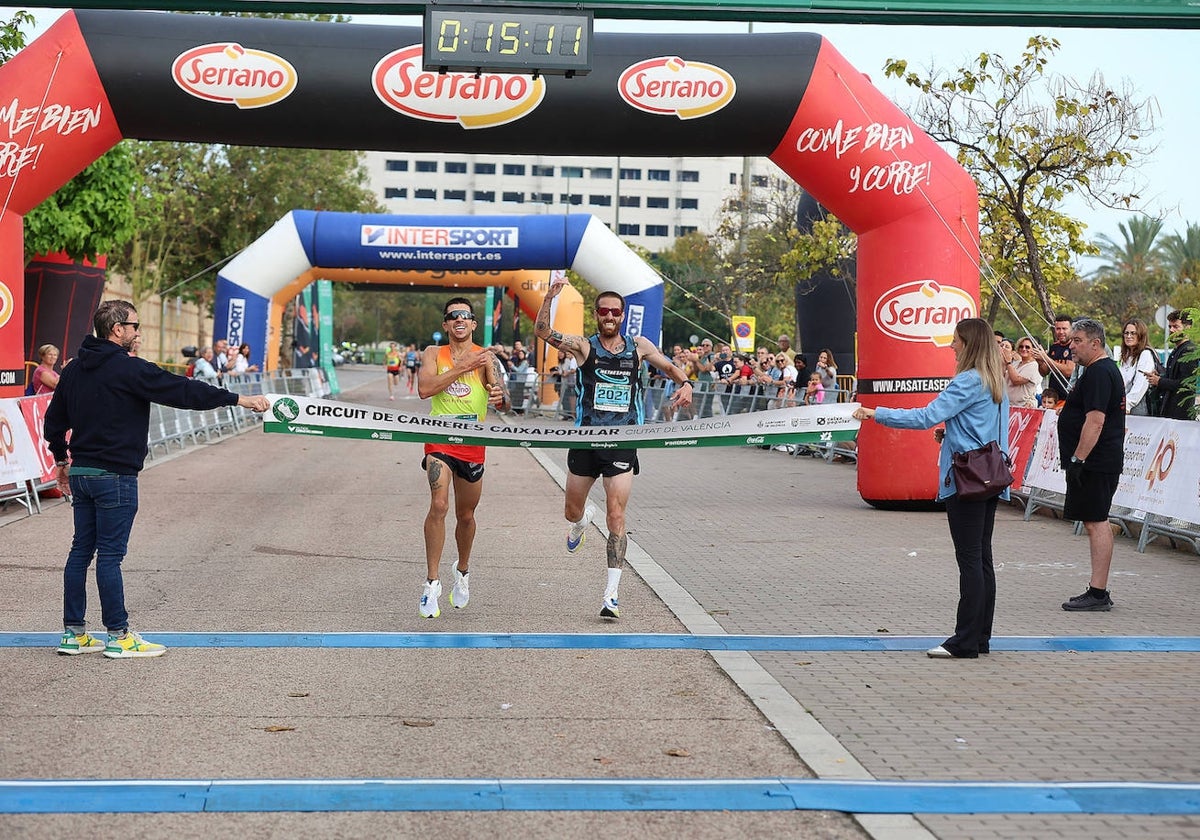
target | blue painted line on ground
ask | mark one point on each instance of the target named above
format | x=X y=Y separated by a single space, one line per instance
x=56 y=796
x=634 y=641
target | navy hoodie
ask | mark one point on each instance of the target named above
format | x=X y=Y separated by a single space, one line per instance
x=103 y=397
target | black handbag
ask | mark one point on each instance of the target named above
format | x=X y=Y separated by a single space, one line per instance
x=981 y=473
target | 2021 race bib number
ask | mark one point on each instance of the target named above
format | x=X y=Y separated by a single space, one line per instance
x=611 y=397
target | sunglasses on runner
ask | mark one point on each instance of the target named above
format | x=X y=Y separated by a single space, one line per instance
x=614 y=311
x=459 y=315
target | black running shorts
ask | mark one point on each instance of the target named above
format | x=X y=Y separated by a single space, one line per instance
x=594 y=463
x=1090 y=499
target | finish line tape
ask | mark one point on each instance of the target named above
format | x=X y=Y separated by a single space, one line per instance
x=817 y=424
x=54 y=796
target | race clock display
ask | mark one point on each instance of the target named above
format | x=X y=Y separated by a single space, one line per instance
x=508 y=39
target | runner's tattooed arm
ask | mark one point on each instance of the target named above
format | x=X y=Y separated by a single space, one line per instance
x=576 y=345
x=650 y=354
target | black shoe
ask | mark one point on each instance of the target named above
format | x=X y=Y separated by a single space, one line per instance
x=1087 y=602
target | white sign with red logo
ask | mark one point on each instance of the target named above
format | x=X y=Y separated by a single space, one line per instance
x=233 y=75
x=18 y=460
x=671 y=86
x=472 y=100
x=34 y=411
x=1162 y=466
x=923 y=311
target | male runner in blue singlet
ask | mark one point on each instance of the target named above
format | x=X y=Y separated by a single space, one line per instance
x=609 y=394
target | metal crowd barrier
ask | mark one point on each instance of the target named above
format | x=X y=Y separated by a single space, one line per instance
x=180 y=427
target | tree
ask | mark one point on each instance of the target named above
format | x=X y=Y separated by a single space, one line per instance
x=200 y=204
x=1031 y=139
x=12 y=34
x=1181 y=252
x=90 y=215
x=1134 y=280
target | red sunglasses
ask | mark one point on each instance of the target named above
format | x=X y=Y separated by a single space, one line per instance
x=608 y=310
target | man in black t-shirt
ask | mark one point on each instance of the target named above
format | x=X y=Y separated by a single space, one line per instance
x=725 y=370
x=1091 y=438
x=1056 y=360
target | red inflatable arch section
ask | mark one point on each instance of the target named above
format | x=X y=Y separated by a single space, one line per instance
x=98 y=76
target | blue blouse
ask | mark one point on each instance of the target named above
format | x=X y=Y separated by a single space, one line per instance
x=971 y=419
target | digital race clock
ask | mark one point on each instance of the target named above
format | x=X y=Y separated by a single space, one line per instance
x=508 y=39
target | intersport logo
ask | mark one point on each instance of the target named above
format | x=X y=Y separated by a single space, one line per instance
x=669 y=85
x=233 y=75
x=482 y=101
x=923 y=311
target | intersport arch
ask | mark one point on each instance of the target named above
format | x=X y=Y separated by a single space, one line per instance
x=98 y=76
x=454 y=251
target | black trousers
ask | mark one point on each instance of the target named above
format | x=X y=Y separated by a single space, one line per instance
x=971 y=525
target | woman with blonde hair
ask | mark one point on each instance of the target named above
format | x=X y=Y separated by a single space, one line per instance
x=1021 y=377
x=1135 y=358
x=45 y=379
x=974 y=408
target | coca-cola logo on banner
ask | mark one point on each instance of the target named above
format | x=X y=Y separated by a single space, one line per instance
x=233 y=75
x=923 y=311
x=669 y=85
x=472 y=101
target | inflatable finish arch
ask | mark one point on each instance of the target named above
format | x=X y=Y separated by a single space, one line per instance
x=98 y=76
x=503 y=250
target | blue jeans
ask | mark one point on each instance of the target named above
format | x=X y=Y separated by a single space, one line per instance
x=104 y=508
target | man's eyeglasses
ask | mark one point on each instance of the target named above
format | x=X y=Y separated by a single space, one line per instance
x=137 y=325
x=614 y=311
x=459 y=315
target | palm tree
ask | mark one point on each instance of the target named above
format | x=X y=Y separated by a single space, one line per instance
x=1135 y=279
x=1182 y=254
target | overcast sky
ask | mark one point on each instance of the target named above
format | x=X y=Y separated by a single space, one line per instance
x=1159 y=64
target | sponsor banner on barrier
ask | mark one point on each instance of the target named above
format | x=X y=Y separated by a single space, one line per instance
x=34 y=411
x=1023 y=425
x=1162 y=466
x=803 y=424
x=18 y=460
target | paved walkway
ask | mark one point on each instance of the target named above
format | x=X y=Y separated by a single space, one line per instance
x=280 y=533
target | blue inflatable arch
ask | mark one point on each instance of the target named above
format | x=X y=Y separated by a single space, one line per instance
x=305 y=245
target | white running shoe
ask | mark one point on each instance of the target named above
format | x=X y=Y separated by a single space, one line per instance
x=575 y=533
x=461 y=593
x=429 y=600
x=610 y=608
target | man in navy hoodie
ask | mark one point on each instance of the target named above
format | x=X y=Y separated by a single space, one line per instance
x=103 y=399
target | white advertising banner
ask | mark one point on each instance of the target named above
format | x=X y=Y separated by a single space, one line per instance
x=18 y=460
x=1162 y=466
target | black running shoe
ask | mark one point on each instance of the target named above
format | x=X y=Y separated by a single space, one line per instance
x=1087 y=602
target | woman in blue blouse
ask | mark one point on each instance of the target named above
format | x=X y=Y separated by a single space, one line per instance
x=974 y=408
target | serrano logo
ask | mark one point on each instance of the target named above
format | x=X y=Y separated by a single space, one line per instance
x=923 y=311
x=459 y=389
x=7 y=304
x=232 y=74
x=472 y=101
x=670 y=85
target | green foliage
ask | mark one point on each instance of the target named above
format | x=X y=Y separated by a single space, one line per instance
x=198 y=204
x=1031 y=139
x=12 y=34
x=91 y=214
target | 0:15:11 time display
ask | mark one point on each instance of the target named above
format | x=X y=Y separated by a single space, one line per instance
x=507 y=38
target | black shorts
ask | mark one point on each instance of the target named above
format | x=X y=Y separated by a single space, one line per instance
x=1090 y=499
x=594 y=463
x=467 y=470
